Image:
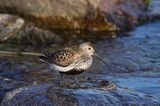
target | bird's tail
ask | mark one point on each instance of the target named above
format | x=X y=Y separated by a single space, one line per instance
x=47 y=57
x=44 y=58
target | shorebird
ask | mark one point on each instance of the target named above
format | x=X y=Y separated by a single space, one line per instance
x=70 y=60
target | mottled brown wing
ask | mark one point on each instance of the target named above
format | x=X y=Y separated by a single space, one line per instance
x=62 y=57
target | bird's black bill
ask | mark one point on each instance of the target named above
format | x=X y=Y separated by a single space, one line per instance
x=98 y=56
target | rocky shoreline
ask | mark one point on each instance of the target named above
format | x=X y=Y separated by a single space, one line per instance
x=131 y=76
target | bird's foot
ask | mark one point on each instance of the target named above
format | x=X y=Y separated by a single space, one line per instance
x=74 y=86
x=77 y=85
x=64 y=84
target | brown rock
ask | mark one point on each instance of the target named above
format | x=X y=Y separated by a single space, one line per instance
x=92 y=15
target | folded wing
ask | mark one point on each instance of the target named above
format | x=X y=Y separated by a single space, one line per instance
x=62 y=57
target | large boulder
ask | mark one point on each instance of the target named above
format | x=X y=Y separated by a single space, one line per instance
x=93 y=15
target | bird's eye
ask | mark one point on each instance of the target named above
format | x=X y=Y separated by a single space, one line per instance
x=89 y=48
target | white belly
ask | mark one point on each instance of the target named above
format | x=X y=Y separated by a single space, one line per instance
x=84 y=65
x=62 y=69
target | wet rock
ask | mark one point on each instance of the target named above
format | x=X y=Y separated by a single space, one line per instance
x=14 y=29
x=16 y=72
x=92 y=15
x=11 y=76
x=48 y=94
x=25 y=91
x=9 y=26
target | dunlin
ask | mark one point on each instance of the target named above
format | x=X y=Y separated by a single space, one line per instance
x=70 y=60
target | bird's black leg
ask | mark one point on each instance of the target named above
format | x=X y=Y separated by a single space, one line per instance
x=62 y=77
x=77 y=83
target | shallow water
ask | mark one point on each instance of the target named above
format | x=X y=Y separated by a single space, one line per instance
x=134 y=61
x=141 y=84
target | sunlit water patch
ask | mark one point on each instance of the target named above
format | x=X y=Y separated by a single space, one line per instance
x=145 y=85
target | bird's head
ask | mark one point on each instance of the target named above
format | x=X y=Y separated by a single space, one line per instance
x=87 y=47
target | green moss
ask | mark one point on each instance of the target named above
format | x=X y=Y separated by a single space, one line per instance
x=148 y=2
